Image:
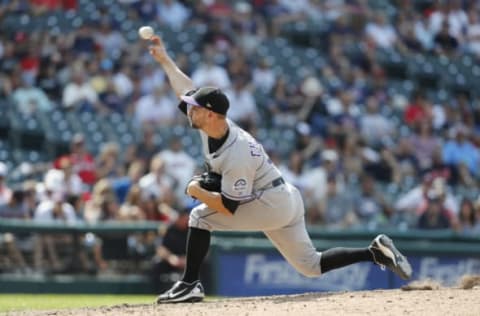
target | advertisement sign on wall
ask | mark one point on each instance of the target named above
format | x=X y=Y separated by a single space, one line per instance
x=248 y=274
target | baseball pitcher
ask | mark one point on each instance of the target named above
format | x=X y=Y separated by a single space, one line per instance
x=245 y=191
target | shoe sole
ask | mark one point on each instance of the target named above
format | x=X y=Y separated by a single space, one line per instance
x=183 y=299
x=402 y=266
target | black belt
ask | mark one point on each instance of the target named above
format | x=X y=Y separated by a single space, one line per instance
x=277 y=182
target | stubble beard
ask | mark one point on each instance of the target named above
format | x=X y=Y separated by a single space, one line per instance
x=192 y=124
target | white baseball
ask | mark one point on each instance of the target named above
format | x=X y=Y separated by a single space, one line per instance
x=145 y=32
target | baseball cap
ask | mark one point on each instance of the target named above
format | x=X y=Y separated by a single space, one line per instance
x=210 y=98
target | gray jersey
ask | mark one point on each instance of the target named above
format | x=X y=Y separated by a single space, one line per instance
x=245 y=167
x=277 y=210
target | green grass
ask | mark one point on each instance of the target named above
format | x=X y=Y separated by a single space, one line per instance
x=19 y=302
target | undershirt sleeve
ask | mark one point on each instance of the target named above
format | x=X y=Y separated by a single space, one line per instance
x=229 y=204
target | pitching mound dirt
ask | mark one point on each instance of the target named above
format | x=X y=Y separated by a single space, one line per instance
x=424 y=285
x=441 y=301
x=470 y=282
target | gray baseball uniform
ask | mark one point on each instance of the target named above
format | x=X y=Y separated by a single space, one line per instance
x=267 y=203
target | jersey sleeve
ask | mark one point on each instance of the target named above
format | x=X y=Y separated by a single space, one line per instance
x=237 y=178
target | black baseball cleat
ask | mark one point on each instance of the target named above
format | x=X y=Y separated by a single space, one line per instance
x=183 y=292
x=386 y=255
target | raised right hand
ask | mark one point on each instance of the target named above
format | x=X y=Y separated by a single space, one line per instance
x=157 y=49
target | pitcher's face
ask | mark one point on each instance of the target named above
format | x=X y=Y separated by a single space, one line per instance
x=197 y=116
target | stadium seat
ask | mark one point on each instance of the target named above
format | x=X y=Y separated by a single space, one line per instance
x=26 y=131
x=424 y=72
x=395 y=65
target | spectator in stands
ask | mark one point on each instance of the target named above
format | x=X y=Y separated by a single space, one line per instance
x=417 y=110
x=293 y=170
x=375 y=127
x=466 y=217
x=82 y=161
x=131 y=208
x=422 y=31
x=408 y=43
x=313 y=181
x=244 y=111
x=156 y=108
x=415 y=202
x=237 y=65
x=147 y=147
x=335 y=209
x=103 y=205
x=435 y=216
x=405 y=160
x=350 y=156
x=381 y=33
x=460 y=150
x=79 y=94
x=179 y=165
x=278 y=13
x=440 y=190
x=29 y=98
x=72 y=183
x=219 y=9
x=122 y=186
x=370 y=206
x=279 y=104
x=424 y=143
x=249 y=28
x=263 y=77
x=151 y=79
x=30 y=63
x=312 y=108
x=473 y=33
x=307 y=143
x=83 y=41
x=476 y=227
x=111 y=41
x=172 y=13
x=54 y=209
x=170 y=254
x=218 y=36
x=157 y=184
x=145 y=10
x=445 y=43
x=111 y=101
x=381 y=164
x=452 y=13
x=48 y=81
x=122 y=81
x=208 y=73
x=109 y=164
x=5 y=191
x=14 y=209
x=439 y=168
x=346 y=116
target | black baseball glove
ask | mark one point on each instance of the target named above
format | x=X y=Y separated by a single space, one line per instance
x=210 y=181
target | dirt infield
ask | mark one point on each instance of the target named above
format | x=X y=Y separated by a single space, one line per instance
x=414 y=301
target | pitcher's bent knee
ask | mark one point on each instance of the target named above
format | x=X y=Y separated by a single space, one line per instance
x=313 y=272
x=309 y=267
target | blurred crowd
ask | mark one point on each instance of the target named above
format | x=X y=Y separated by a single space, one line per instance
x=361 y=156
